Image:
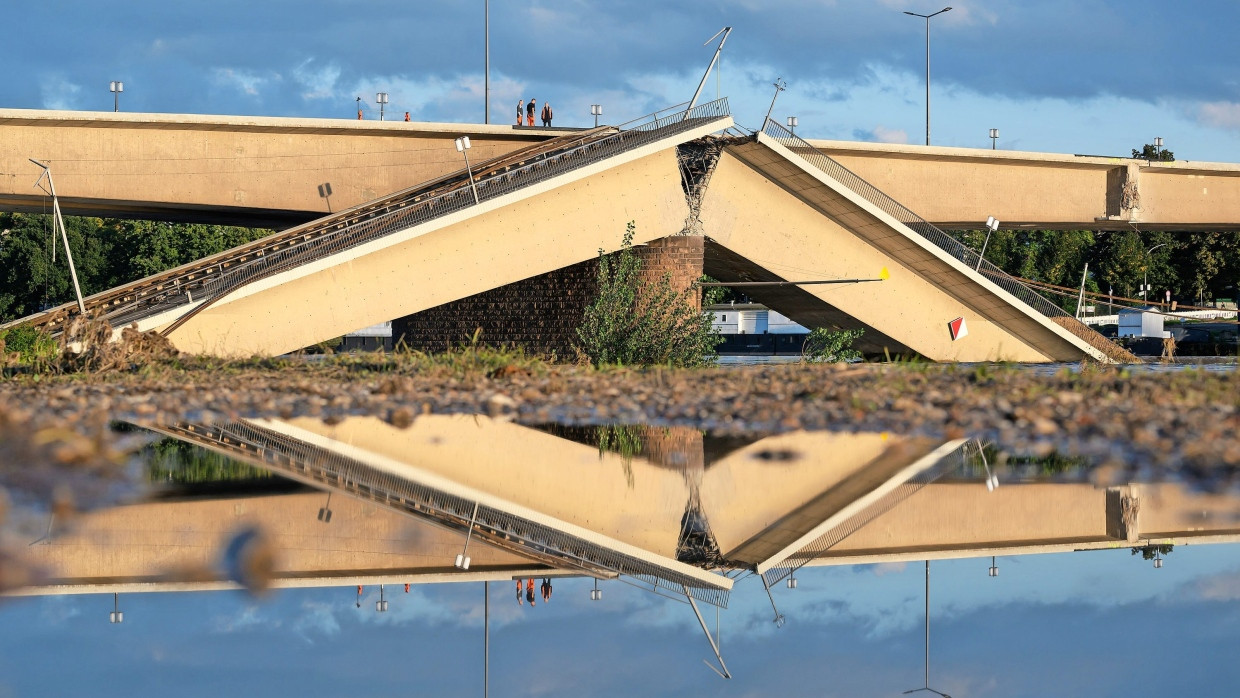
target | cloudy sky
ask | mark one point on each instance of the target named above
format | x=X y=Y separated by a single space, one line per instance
x=1093 y=76
x=1098 y=624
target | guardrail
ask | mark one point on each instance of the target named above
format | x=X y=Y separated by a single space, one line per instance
x=531 y=539
x=652 y=128
x=943 y=241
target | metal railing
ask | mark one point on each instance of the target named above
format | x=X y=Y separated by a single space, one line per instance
x=530 y=539
x=338 y=232
x=856 y=522
x=941 y=239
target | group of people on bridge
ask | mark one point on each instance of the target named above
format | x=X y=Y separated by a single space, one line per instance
x=529 y=110
x=529 y=591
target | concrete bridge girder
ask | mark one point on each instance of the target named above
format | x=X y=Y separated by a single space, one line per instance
x=764 y=208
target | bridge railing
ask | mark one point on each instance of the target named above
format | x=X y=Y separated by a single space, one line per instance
x=517 y=534
x=942 y=240
x=394 y=218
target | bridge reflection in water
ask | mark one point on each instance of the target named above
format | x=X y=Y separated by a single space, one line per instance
x=673 y=510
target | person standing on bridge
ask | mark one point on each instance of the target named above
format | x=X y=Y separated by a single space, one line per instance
x=546 y=115
x=529 y=111
x=520 y=109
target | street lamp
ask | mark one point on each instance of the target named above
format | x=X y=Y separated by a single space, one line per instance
x=596 y=594
x=927 y=18
x=325 y=511
x=1158 y=560
x=486 y=21
x=382 y=99
x=462 y=147
x=116 y=616
x=994 y=136
x=927 y=686
x=792 y=581
x=1145 y=286
x=992 y=225
x=792 y=125
x=597 y=111
x=1158 y=143
x=994 y=570
x=381 y=605
x=780 y=86
x=116 y=87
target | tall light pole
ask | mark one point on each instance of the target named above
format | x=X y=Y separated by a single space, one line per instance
x=116 y=88
x=994 y=136
x=927 y=18
x=1145 y=293
x=927 y=675
x=486 y=21
x=792 y=124
x=462 y=147
x=780 y=86
x=382 y=99
x=596 y=110
x=64 y=234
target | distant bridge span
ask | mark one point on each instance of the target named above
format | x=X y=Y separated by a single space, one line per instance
x=267 y=171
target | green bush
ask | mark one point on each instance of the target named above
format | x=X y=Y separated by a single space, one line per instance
x=30 y=343
x=658 y=325
x=830 y=346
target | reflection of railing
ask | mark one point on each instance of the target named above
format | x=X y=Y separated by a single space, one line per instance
x=943 y=241
x=521 y=536
x=856 y=522
x=347 y=229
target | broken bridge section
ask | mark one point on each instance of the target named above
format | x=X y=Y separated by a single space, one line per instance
x=792 y=213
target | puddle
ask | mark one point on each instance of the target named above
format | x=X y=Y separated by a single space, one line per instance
x=340 y=510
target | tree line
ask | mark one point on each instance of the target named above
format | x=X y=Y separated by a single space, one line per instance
x=107 y=252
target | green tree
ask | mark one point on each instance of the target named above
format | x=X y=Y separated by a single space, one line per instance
x=631 y=322
x=1151 y=152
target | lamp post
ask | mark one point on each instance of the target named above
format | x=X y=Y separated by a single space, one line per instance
x=992 y=225
x=792 y=581
x=994 y=569
x=462 y=147
x=927 y=686
x=792 y=124
x=325 y=511
x=597 y=111
x=381 y=605
x=1158 y=143
x=780 y=86
x=382 y=99
x=927 y=18
x=1145 y=286
x=116 y=616
x=596 y=594
x=486 y=21
x=116 y=87
x=994 y=136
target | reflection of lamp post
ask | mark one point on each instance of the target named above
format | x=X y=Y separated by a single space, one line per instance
x=462 y=560
x=994 y=136
x=927 y=18
x=1158 y=560
x=992 y=225
x=994 y=570
x=462 y=147
x=1145 y=287
x=382 y=99
x=325 y=512
x=596 y=594
x=116 y=616
x=381 y=604
x=927 y=686
x=792 y=581
x=116 y=88
x=792 y=124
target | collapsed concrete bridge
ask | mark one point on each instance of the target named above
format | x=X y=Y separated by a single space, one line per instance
x=761 y=207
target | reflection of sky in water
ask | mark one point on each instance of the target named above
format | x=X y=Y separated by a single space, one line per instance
x=1092 y=623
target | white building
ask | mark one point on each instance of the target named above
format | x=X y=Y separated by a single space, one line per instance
x=751 y=318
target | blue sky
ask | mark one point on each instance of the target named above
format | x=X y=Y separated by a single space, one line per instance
x=1101 y=624
x=1101 y=76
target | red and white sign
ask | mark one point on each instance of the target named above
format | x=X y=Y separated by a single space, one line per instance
x=958 y=328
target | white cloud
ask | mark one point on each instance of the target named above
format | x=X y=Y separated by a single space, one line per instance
x=318 y=82
x=883 y=134
x=245 y=81
x=58 y=93
x=1220 y=114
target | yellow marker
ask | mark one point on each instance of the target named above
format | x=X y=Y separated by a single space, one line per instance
x=884 y=274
